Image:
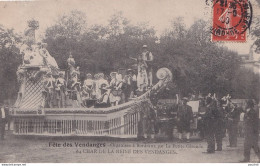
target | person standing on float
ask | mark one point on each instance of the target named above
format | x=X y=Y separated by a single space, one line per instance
x=142 y=79
x=95 y=86
x=147 y=56
x=112 y=85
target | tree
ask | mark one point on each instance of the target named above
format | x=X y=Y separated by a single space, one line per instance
x=203 y=67
x=10 y=59
x=117 y=23
x=70 y=25
x=256 y=34
x=63 y=37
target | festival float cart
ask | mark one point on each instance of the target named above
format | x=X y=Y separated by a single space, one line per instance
x=30 y=118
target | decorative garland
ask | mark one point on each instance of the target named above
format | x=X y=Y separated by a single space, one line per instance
x=93 y=111
x=34 y=112
x=135 y=107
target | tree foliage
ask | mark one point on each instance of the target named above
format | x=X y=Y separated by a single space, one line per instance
x=9 y=62
x=69 y=26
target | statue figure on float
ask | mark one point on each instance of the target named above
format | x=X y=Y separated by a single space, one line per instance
x=35 y=54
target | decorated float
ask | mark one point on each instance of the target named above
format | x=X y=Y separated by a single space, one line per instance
x=30 y=115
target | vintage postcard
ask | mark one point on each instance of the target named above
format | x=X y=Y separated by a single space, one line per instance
x=119 y=81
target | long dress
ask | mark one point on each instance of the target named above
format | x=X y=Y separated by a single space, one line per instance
x=131 y=81
x=142 y=79
x=185 y=115
x=115 y=95
x=148 y=58
x=88 y=89
x=49 y=91
x=96 y=89
x=102 y=85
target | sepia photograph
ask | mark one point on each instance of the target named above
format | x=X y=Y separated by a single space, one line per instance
x=119 y=81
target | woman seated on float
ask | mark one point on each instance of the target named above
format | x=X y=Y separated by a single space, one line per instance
x=103 y=89
x=99 y=80
x=88 y=86
x=116 y=92
x=87 y=89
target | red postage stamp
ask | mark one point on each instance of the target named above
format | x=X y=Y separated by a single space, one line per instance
x=231 y=19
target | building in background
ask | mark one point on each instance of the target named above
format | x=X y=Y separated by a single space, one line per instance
x=251 y=61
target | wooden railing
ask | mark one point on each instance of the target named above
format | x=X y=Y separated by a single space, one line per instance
x=124 y=126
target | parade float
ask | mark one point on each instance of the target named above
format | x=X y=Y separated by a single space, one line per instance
x=30 y=115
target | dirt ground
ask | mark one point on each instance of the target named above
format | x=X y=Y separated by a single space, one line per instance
x=81 y=150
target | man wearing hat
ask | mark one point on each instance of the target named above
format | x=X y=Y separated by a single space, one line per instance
x=213 y=120
x=201 y=114
x=4 y=113
x=148 y=119
x=102 y=87
x=219 y=117
x=147 y=56
x=184 y=119
x=233 y=119
x=251 y=131
x=210 y=125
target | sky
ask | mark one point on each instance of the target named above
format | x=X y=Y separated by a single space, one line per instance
x=158 y=13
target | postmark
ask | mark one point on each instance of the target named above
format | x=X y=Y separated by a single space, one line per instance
x=231 y=20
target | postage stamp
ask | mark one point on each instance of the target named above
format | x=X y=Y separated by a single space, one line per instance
x=231 y=19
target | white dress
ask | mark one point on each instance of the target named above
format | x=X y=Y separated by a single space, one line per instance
x=116 y=85
x=99 y=83
x=88 y=88
x=142 y=78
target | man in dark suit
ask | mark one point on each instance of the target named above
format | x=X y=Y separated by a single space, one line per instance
x=233 y=119
x=4 y=114
x=213 y=119
x=251 y=131
x=219 y=118
x=185 y=118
